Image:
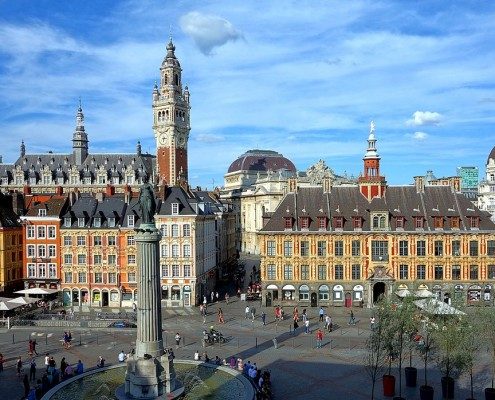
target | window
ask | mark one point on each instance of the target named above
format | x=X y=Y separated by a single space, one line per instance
x=357 y=222
x=323 y=293
x=403 y=271
x=339 y=248
x=305 y=223
x=187 y=250
x=304 y=272
x=67 y=222
x=68 y=277
x=81 y=259
x=112 y=277
x=379 y=222
x=164 y=271
x=379 y=250
x=81 y=241
x=322 y=272
x=164 y=250
x=187 y=271
x=80 y=222
x=111 y=241
x=175 y=208
x=287 y=248
x=338 y=222
x=131 y=259
x=31 y=249
x=112 y=259
x=399 y=223
x=438 y=248
x=288 y=222
x=42 y=212
x=438 y=222
x=271 y=272
x=97 y=222
x=41 y=270
x=97 y=259
x=164 y=230
x=403 y=248
x=31 y=270
x=97 y=241
x=322 y=248
x=473 y=272
x=490 y=248
x=41 y=251
x=131 y=277
x=420 y=272
x=175 y=250
x=52 y=233
x=456 y=272
x=288 y=272
x=30 y=232
x=111 y=222
x=356 y=248
x=270 y=248
x=473 y=222
x=418 y=222
x=52 y=250
x=67 y=258
x=175 y=230
x=456 y=248
x=491 y=272
x=356 y=271
x=130 y=221
x=186 y=230
x=131 y=240
x=304 y=248
x=322 y=223
x=81 y=277
x=438 y=272
x=41 y=232
x=98 y=277
x=473 y=248
x=339 y=272
x=421 y=248
x=67 y=241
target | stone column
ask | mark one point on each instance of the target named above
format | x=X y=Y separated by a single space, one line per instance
x=149 y=313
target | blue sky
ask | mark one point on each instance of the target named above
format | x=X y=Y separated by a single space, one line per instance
x=300 y=77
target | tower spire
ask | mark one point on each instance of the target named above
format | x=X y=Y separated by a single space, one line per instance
x=371 y=183
x=80 y=138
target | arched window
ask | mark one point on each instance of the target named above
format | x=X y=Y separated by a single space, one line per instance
x=375 y=221
x=176 y=79
x=382 y=222
x=165 y=80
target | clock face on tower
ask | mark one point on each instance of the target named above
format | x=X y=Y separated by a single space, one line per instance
x=162 y=139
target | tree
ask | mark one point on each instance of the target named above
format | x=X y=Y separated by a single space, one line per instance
x=486 y=321
x=426 y=344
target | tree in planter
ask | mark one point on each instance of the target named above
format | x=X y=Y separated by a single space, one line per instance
x=486 y=318
x=472 y=344
x=374 y=361
x=426 y=346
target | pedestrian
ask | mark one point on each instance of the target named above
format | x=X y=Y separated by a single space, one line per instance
x=32 y=370
x=217 y=296
x=63 y=366
x=34 y=347
x=25 y=382
x=47 y=361
x=322 y=313
x=246 y=312
x=319 y=338
x=30 y=348
x=277 y=313
x=79 y=367
x=227 y=298
x=220 y=316
x=328 y=323
x=212 y=296
x=306 y=326
x=69 y=371
x=197 y=357
x=253 y=312
x=352 y=320
x=238 y=292
x=134 y=307
x=296 y=325
x=32 y=394
x=177 y=340
x=121 y=356
x=18 y=366
x=263 y=317
x=372 y=323
x=69 y=339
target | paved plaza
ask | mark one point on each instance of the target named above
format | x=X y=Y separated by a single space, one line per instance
x=299 y=370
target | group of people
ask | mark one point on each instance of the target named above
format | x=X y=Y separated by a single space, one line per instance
x=67 y=339
x=260 y=378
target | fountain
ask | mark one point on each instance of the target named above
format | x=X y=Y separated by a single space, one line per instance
x=150 y=373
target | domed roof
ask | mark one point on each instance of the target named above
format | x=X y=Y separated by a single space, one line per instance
x=491 y=155
x=261 y=160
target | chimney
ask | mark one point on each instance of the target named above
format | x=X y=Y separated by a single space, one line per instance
x=419 y=182
x=162 y=191
x=59 y=190
x=27 y=189
x=455 y=183
x=100 y=196
x=127 y=194
x=18 y=203
x=110 y=190
x=292 y=183
x=327 y=184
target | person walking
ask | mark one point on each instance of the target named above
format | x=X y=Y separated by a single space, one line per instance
x=246 y=312
x=352 y=319
x=79 y=367
x=372 y=323
x=177 y=340
x=32 y=370
x=217 y=295
x=328 y=323
x=253 y=313
x=220 y=316
x=227 y=297
x=304 y=316
x=212 y=296
x=18 y=366
x=322 y=313
x=296 y=324
x=263 y=317
x=306 y=326
x=319 y=338
x=47 y=360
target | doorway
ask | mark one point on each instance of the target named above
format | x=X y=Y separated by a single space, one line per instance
x=268 y=299
x=314 y=299
x=378 y=291
x=104 y=299
x=187 y=299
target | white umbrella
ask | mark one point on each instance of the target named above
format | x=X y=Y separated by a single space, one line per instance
x=22 y=300
x=403 y=292
x=37 y=291
x=437 y=307
x=5 y=306
x=423 y=293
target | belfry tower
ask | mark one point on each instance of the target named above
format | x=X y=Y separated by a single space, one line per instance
x=371 y=183
x=171 y=124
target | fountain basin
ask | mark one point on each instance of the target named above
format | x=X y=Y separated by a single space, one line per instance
x=200 y=380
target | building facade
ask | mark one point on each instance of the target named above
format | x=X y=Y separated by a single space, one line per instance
x=486 y=190
x=346 y=246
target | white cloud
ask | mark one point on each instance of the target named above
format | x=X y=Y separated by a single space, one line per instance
x=419 y=136
x=424 y=118
x=208 y=31
x=209 y=138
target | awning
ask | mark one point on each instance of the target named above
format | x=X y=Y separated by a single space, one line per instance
x=403 y=293
x=37 y=291
x=423 y=293
x=22 y=300
x=6 y=306
x=272 y=287
x=288 y=287
x=437 y=307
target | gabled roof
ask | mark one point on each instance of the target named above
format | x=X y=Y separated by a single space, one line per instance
x=54 y=206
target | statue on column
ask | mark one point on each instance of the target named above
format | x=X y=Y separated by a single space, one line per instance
x=147 y=202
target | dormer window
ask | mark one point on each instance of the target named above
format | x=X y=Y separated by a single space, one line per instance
x=111 y=222
x=42 y=212
x=175 y=208
x=130 y=221
x=357 y=222
x=322 y=223
x=338 y=222
x=288 y=222
x=379 y=221
x=97 y=222
x=67 y=222
x=399 y=223
x=474 y=222
x=419 y=222
x=454 y=222
x=80 y=222
x=304 y=222
x=438 y=222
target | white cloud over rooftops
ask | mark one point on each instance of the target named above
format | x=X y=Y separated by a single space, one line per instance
x=419 y=136
x=208 y=31
x=425 y=118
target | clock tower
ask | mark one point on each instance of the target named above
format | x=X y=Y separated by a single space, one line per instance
x=171 y=123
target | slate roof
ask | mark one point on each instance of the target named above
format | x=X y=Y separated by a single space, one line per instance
x=8 y=218
x=399 y=201
x=261 y=160
x=54 y=206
